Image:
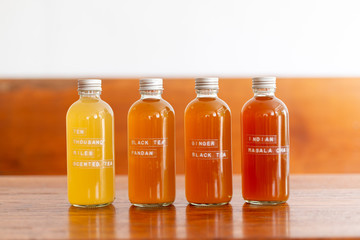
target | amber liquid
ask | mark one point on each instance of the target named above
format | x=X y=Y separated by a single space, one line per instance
x=208 y=176
x=151 y=153
x=265 y=127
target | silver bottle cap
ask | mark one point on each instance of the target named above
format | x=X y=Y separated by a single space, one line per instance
x=264 y=82
x=207 y=83
x=151 y=84
x=89 y=85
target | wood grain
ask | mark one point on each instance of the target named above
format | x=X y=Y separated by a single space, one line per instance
x=324 y=121
x=320 y=207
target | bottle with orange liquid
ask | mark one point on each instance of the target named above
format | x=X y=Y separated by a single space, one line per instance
x=265 y=145
x=90 y=148
x=151 y=147
x=208 y=166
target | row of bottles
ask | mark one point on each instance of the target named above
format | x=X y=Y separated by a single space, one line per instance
x=151 y=147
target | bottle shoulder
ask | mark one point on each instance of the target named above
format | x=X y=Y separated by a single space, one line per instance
x=264 y=104
x=90 y=107
x=151 y=105
x=207 y=105
x=107 y=106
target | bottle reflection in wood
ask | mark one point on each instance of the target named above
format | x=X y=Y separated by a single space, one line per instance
x=210 y=222
x=266 y=221
x=152 y=223
x=208 y=167
x=92 y=223
x=265 y=145
x=151 y=147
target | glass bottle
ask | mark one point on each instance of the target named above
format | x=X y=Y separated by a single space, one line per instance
x=265 y=145
x=208 y=163
x=151 y=147
x=90 y=148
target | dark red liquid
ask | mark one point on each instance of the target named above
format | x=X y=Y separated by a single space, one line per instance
x=265 y=150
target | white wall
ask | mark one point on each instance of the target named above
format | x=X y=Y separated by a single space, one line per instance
x=45 y=38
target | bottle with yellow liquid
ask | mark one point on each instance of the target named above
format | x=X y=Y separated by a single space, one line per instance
x=90 y=148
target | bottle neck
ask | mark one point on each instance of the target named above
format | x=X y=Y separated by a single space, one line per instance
x=207 y=93
x=90 y=94
x=264 y=92
x=151 y=94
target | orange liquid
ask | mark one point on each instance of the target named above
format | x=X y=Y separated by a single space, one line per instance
x=151 y=152
x=208 y=168
x=265 y=150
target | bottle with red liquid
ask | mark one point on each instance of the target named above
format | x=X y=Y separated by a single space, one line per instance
x=265 y=145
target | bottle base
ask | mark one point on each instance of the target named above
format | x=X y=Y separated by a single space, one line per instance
x=152 y=205
x=208 y=204
x=264 y=202
x=92 y=206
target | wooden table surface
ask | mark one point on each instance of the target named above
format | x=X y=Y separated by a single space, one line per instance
x=320 y=206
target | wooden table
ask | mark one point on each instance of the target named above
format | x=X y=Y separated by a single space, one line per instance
x=320 y=206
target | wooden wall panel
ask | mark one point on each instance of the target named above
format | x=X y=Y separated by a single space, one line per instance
x=324 y=121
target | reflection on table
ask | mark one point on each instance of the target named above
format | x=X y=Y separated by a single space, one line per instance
x=209 y=222
x=88 y=223
x=269 y=221
x=152 y=222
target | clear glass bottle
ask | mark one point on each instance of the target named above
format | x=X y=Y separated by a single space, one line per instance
x=151 y=147
x=90 y=148
x=265 y=145
x=208 y=156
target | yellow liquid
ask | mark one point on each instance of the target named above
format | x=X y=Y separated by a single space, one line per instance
x=90 y=153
